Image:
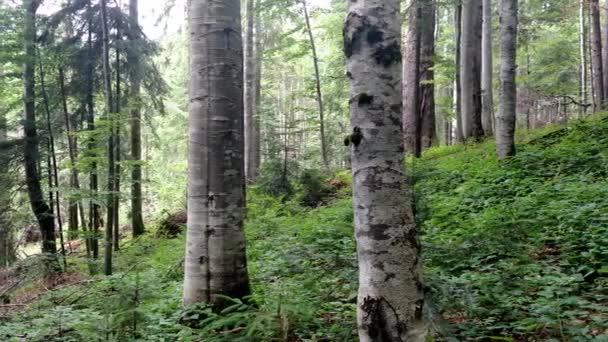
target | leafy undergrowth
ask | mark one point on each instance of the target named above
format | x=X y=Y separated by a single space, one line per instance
x=516 y=251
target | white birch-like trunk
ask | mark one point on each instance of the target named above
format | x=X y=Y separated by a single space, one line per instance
x=215 y=262
x=390 y=299
x=487 y=100
x=505 y=123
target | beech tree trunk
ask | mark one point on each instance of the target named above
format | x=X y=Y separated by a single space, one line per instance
x=457 y=84
x=111 y=148
x=215 y=262
x=31 y=156
x=596 y=56
x=583 y=57
x=390 y=299
x=411 y=81
x=487 y=98
x=505 y=123
x=251 y=134
x=605 y=53
x=470 y=68
x=137 y=221
x=318 y=88
x=428 y=134
x=259 y=58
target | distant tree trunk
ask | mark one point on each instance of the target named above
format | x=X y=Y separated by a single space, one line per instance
x=215 y=263
x=117 y=109
x=411 y=80
x=137 y=221
x=318 y=87
x=390 y=296
x=505 y=123
x=470 y=68
x=251 y=137
x=7 y=241
x=31 y=157
x=74 y=181
x=428 y=134
x=596 y=56
x=487 y=101
x=94 y=214
x=111 y=149
x=583 y=57
x=259 y=58
x=605 y=55
x=457 y=77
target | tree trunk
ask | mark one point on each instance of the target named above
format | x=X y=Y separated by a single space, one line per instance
x=7 y=245
x=605 y=55
x=596 y=56
x=411 y=81
x=259 y=58
x=318 y=87
x=487 y=100
x=470 y=69
x=74 y=181
x=117 y=171
x=41 y=210
x=428 y=135
x=505 y=123
x=137 y=221
x=216 y=261
x=94 y=214
x=457 y=78
x=583 y=57
x=111 y=148
x=390 y=296
x=251 y=137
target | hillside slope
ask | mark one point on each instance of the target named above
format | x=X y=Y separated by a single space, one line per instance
x=512 y=252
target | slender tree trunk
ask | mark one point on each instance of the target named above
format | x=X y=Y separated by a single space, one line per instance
x=428 y=134
x=505 y=123
x=596 y=55
x=31 y=157
x=137 y=221
x=111 y=148
x=117 y=110
x=7 y=245
x=259 y=60
x=216 y=261
x=250 y=97
x=318 y=87
x=605 y=54
x=74 y=181
x=458 y=78
x=390 y=296
x=94 y=213
x=583 y=57
x=470 y=69
x=411 y=80
x=487 y=101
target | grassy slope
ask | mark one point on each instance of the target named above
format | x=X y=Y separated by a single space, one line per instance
x=512 y=252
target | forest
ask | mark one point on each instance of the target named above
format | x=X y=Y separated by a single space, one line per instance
x=303 y=170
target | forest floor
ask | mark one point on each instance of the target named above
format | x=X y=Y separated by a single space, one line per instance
x=512 y=252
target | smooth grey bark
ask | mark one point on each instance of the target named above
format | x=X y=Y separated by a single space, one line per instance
x=251 y=134
x=215 y=262
x=605 y=55
x=259 y=60
x=7 y=241
x=117 y=169
x=390 y=299
x=487 y=97
x=583 y=57
x=318 y=87
x=470 y=68
x=428 y=134
x=31 y=155
x=506 y=119
x=596 y=56
x=137 y=221
x=111 y=149
x=457 y=85
x=411 y=81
